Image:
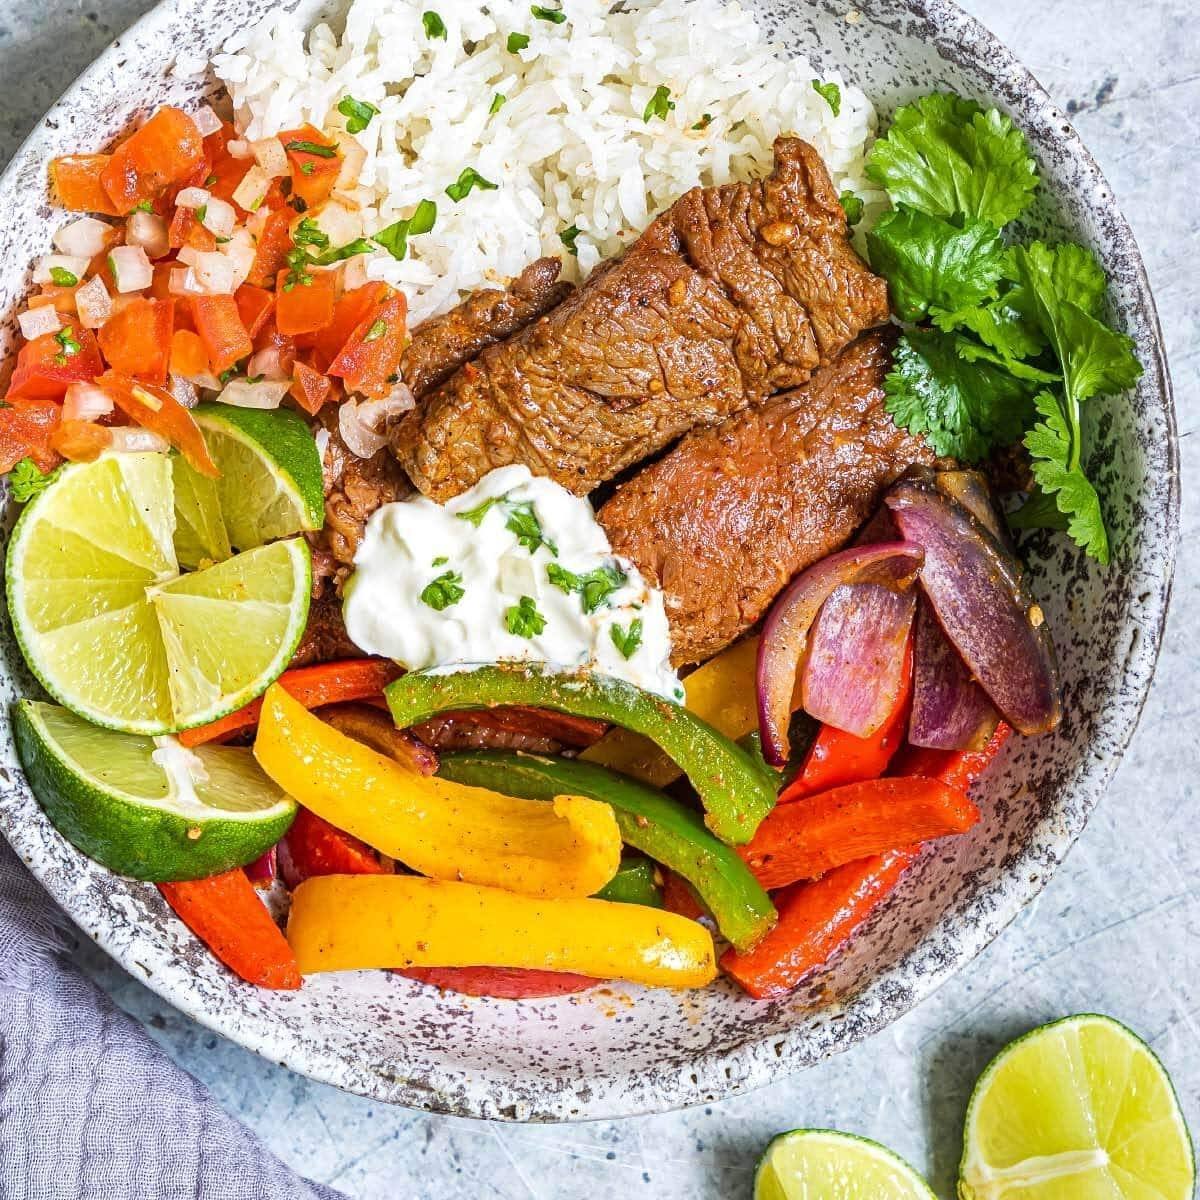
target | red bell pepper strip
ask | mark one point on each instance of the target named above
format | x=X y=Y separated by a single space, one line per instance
x=27 y=430
x=503 y=983
x=166 y=150
x=136 y=339
x=220 y=327
x=315 y=686
x=48 y=365
x=271 y=250
x=227 y=915
x=836 y=757
x=369 y=362
x=813 y=836
x=815 y=920
x=314 y=847
x=75 y=183
x=680 y=897
x=154 y=408
x=957 y=768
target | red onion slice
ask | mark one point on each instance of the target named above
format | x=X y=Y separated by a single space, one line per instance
x=978 y=593
x=262 y=870
x=785 y=633
x=855 y=663
x=950 y=711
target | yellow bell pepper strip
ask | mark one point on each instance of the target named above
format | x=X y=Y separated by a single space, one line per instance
x=356 y=922
x=669 y=832
x=736 y=791
x=571 y=847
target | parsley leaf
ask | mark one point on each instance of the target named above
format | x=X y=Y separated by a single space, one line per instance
x=832 y=95
x=660 y=103
x=567 y=237
x=522 y=520
x=852 y=206
x=475 y=515
x=517 y=41
x=61 y=277
x=435 y=27
x=358 y=113
x=309 y=233
x=440 y=561
x=931 y=263
x=627 y=640
x=554 y=15
x=946 y=156
x=468 y=179
x=523 y=618
x=394 y=239
x=498 y=102
x=443 y=591
x=962 y=408
x=25 y=481
x=594 y=588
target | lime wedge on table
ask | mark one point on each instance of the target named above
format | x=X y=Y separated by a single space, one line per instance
x=153 y=812
x=110 y=627
x=822 y=1164
x=1077 y=1110
x=269 y=486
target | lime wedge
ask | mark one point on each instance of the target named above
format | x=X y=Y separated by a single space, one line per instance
x=822 y=1164
x=155 y=812
x=1077 y=1110
x=269 y=487
x=113 y=631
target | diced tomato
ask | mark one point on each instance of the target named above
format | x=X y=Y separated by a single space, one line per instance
x=81 y=441
x=164 y=151
x=310 y=389
x=188 y=356
x=186 y=230
x=313 y=173
x=370 y=360
x=75 y=183
x=220 y=327
x=137 y=339
x=254 y=306
x=160 y=287
x=26 y=430
x=271 y=252
x=225 y=177
x=49 y=364
x=154 y=408
x=270 y=338
x=62 y=298
x=304 y=307
x=349 y=312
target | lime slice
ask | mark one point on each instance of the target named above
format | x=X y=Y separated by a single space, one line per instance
x=822 y=1164
x=269 y=487
x=113 y=631
x=1077 y=1110
x=155 y=812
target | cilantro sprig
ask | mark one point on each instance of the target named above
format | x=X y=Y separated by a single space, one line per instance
x=1018 y=343
x=594 y=588
x=394 y=239
x=444 y=591
x=26 y=480
x=523 y=618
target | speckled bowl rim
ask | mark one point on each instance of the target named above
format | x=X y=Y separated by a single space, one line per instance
x=755 y=1062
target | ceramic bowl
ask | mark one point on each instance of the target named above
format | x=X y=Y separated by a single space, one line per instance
x=616 y=1051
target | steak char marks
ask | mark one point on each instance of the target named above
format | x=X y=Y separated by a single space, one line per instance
x=733 y=294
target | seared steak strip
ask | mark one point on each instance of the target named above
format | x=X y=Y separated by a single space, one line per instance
x=734 y=293
x=442 y=344
x=723 y=521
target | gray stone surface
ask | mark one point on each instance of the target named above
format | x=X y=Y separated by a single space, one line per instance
x=1118 y=929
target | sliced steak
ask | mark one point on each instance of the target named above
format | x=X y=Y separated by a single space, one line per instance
x=734 y=293
x=725 y=519
x=442 y=344
x=325 y=638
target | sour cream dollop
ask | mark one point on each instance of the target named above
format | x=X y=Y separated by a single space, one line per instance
x=506 y=572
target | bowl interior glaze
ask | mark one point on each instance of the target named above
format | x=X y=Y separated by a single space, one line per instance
x=620 y=1051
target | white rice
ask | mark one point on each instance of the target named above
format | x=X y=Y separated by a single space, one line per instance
x=568 y=147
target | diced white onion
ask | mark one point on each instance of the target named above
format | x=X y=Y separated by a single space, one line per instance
x=93 y=303
x=251 y=192
x=206 y=120
x=214 y=273
x=193 y=197
x=256 y=222
x=184 y=391
x=339 y=223
x=75 y=264
x=270 y=156
x=148 y=230
x=86 y=402
x=359 y=423
x=373 y=413
x=354 y=157
x=355 y=272
x=131 y=268
x=238 y=148
x=267 y=393
x=183 y=282
x=133 y=439
x=321 y=438
x=266 y=363
x=85 y=238
x=35 y=322
x=219 y=217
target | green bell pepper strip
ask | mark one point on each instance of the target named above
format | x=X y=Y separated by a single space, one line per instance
x=663 y=828
x=633 y=883
x=737 y=793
